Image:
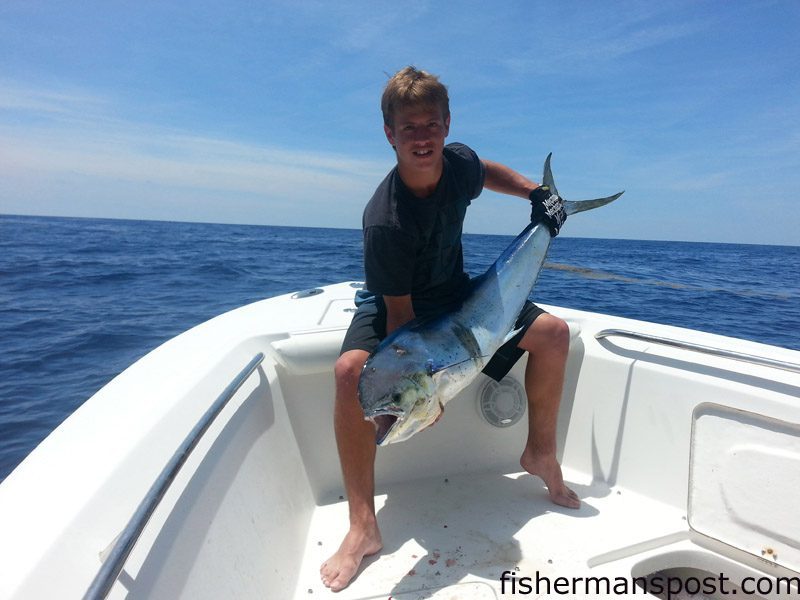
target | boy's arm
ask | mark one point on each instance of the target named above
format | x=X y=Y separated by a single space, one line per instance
x=502 y=179
x=399 y=311
x=546 y=207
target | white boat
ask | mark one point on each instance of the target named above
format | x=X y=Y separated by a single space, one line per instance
x=684 y=447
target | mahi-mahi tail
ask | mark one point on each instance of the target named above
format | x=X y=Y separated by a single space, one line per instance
x=572 y=207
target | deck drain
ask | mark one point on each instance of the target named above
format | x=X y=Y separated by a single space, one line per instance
x=502 y=403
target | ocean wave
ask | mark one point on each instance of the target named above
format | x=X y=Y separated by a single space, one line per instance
x=608 y=276
x=80 y=300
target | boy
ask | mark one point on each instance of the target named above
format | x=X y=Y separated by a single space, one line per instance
x=414 y=268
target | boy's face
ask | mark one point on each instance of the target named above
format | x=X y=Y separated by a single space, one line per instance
x=418 y=137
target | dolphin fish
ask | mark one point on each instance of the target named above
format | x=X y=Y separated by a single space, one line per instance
x=417 y=369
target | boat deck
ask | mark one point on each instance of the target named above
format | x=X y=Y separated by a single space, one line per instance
x=650 y=434
x=453 y=537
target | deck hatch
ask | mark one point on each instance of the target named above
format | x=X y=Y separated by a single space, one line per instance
x=744 y=482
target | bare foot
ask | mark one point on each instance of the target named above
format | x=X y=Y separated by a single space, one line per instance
x=339 y=569
x=547 y=468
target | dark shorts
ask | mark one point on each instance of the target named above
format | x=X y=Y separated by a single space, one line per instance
x=368 y=328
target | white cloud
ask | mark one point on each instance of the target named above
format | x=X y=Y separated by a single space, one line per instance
x=17 y=97
x=69 y=140
x=600 y=35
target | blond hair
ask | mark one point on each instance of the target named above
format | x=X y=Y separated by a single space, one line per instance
x=411 y=87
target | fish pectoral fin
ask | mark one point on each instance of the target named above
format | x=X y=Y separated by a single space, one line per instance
x=511 y=334
x=434 y=368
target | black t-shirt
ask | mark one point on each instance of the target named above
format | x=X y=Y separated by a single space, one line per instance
x=413 y=245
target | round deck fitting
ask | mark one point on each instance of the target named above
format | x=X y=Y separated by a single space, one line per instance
x=502 y=403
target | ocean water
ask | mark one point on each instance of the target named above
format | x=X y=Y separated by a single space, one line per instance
x=81 y=299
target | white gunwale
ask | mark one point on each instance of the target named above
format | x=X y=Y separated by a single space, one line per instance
x=256 y=507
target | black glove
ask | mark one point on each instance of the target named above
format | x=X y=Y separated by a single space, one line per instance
x=547 y=208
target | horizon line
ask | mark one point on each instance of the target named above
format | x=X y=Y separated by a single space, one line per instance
x=236 y=224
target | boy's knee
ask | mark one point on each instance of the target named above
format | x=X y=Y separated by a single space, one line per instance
x=348 y=367
x=548 y=333
x=559 y=331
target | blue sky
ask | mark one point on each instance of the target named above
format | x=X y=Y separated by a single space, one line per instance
x=268 y=112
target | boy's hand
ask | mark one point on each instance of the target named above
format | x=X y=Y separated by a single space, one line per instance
x=547 y=208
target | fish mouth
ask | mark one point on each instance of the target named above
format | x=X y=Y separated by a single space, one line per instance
x=383 y=425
